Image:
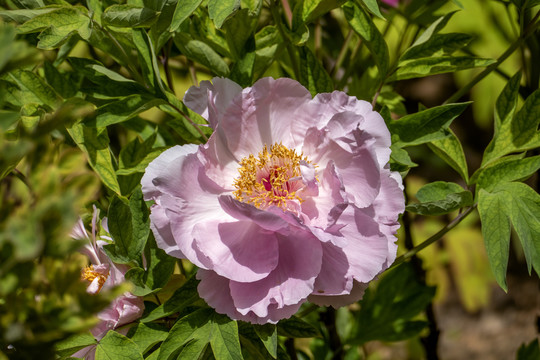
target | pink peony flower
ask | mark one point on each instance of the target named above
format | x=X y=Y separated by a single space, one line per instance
x=103 y=273
x=290 y=200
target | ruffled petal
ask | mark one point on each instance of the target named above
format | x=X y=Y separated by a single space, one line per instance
x=240 y=250
x=300 y=260
x=334 y=278
x=210 y=99
x=356 y=294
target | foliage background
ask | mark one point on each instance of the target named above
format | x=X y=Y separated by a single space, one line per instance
x=91 y=92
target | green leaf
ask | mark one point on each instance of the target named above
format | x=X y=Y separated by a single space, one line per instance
x=416 y=68
x=148 y=61
x=239 y=33
x=268 y=43
x=373 y=7
x=529 y=352
x=364 y=26
x=425 y=126
x=94 y=142
x=268 y=335
x=312 y=74
x=202 y=53
x=313 y=9
x=62 y=83
x=182 y=297
x=30 y=88
x=433 y=29
x=514 y=133
x=204 y=326
x=294 y=327
x=57 y=26
x=443 y=44
x=74 y=343
x=252 y=345
x=183 y=10
x=22 y=15
x=450 y=150
x=385 y=313
x=129 y=226
x=506 y=171
x=129 y=16
x=115 y=346
x=440 y=198
x=145 y=336
x=220 y=10
x=122 y=110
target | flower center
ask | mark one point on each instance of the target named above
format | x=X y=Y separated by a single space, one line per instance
x=271 y=178
x=88 y=273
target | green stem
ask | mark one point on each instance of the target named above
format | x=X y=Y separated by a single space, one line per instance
x=342 y=53
x=516 y=44
x=409 y=254
x=290 y=48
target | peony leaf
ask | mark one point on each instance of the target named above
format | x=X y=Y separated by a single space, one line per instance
x=268 y=335
x=440 y=198
x=202 y=53
x=252 y=345
x=443 y=44
x=74 y=343
x=192 y=333
x=182 y=297
x=386 y=312
x=147 y=60
x=129 y=16
x=22 y=15
x=220 y=10
x=94 y=142
x=363 y=25
x=145 y=336
x=182 y=11
x=416 y=68
x=425 y=126
x=30 y=88
x=312 y=74
x=122 y=110
x=529 y=352
x=313 y=9
x=506 y=171
x=268 y=44
x=450 y=150
x=373 y=8
x=294 y=327
x=57 y=26
x=115 y=346
x=239 y=30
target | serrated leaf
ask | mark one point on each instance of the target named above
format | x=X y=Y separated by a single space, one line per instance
x=506 y=171
x=313 y=9
x=220 y=10
x=94 y=142
x=312 y=74
x=385 y=313
x=115 y=346
x=57 y=26
x=440 y=44
x=416 y=68
x=127 y=15
x=182 y=297
x=182 y=11
x=294 y=327
x=202 y=53
x=450 y=150
x=440 y=198
x=363 y=26
x=425 y=126
x=205 y=326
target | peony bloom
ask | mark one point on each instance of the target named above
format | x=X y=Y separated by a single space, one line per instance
x=290 y=200
x=103 y=273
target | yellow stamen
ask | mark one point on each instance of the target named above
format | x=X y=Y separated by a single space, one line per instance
x=88 y=273
x=272 y=178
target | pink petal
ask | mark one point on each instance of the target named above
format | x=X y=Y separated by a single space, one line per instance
x=341 y=300
x=240 y=250
x=211 y=99
x=300 y=260
x=333 y=278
